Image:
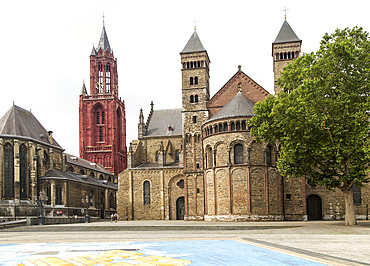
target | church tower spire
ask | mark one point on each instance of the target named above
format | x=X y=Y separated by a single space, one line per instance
x=285 y=48
x=102 y=113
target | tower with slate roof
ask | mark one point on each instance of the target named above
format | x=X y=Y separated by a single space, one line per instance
x=102 y=113
x=285 y=48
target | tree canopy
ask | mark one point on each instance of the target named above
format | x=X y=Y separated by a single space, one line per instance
x=321 y=116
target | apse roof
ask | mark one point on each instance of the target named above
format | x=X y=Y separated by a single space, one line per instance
x=18 y=122
x=240 y=105
x=194 y=45
x=286 y=34
x=165 y=123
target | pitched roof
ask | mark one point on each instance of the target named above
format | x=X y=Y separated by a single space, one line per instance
x=83 y=91
x=103 y=41
x=161 y=120
x=71 y=159
x=286 y=34
x=240 y=105
x=61 y=175
x=194 y=45
x=22 y=123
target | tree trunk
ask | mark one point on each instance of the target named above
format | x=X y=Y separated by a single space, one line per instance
x=350 y=218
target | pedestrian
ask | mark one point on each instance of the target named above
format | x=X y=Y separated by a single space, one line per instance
x=115 y=217
x=111 y=218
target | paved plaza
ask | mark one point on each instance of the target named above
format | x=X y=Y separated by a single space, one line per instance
x=187 y=243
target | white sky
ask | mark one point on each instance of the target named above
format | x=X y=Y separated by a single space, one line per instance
x=46 y=46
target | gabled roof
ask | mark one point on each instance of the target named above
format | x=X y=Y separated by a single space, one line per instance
x=103 y=41
x=194 y=45
x=286 y=34
x=19 y=122
x=161 y=120
x=240 y=105
x=61 y=175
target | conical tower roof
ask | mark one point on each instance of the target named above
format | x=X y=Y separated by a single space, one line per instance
x=240 y=105
x=19 y=122
x=194 y=45
x=286 y=34
x=83 y=91
x=103 y=41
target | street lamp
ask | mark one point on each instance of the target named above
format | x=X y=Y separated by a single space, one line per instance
x=41 y=200
x=88 y=203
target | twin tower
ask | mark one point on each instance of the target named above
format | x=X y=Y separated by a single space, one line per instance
x=102 y=118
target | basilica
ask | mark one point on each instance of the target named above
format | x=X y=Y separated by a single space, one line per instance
x=199 y=162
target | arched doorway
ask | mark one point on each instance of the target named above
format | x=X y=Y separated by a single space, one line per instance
x=180 y=208
x=313 y=206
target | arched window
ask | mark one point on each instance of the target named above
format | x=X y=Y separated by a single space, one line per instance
x=46 y=160
x=101 y=177
x=70 y=169
x=23 y=171
x=100 y=78
x=107 y=79
x=58 y=195
x=177 y=156
x=191 y=98
x=196 y=80
x=238 y=154
x=146 y=189
x=8 y=171
x=97 y=118
x=187 y=64
x=268 y=155
x=238 y=125
x=48 y=194
x=232 y=126
x=196 y=98
x=103 y=117
x=82 y=172
x=191 y=80
x=111 y=201
x=210 y=157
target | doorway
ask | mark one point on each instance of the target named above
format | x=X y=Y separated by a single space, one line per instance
x=314 y=211
x=180 y=208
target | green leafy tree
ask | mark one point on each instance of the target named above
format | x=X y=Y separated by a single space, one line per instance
x=321 y=117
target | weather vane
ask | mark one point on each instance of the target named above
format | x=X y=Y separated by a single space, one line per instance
x=285 y=10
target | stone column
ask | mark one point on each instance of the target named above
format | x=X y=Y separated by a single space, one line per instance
x=52 y=193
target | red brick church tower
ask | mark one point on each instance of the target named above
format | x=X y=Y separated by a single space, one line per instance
x=102 y=114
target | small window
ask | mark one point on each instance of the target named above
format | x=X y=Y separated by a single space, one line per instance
x=97 y=118
x=103 y=118
x=180 y=184
x=100 y=134
x=191 y=81
x=196 y=80
x=194 y=119
x=191 y=98
x=196 y=98
x=197 y=165
x=288 y=196
x=146 y=192
x=268 y=155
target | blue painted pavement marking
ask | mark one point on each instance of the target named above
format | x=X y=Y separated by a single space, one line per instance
x=198 y=252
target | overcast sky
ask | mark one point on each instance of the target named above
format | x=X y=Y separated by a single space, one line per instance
x=46 y=46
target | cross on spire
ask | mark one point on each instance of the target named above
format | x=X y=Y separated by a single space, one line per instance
x=285 y=10
x=103 y=20
x=195 y=24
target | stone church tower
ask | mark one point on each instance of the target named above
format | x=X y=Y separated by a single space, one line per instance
x=285 y=49
x=102 y=120
x=195 y=95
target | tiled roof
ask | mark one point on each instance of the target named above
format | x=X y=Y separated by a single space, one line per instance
x=58 y=174
x=194 y=45
x=165 y=123
x=286 y=34
x=237 y=106
x=22 y=123
x=86 y=164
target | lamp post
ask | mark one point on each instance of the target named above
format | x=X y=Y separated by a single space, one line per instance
x=87 y=201
x=41 y=200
